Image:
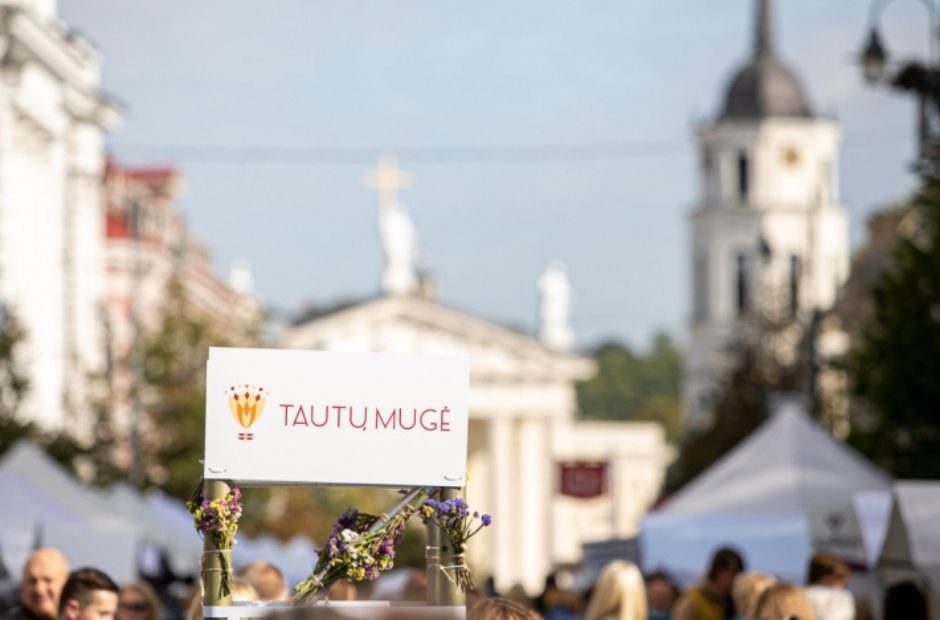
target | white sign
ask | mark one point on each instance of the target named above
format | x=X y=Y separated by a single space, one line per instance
x=834 y=528
x=306 y=417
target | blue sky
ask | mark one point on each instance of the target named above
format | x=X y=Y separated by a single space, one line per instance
x=380 y=74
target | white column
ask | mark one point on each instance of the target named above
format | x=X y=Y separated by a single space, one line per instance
x=503 y=481
x=535 y=507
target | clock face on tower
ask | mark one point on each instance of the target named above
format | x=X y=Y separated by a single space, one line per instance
x=791 y=157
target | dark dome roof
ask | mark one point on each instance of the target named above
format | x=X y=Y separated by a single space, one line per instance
x=762 y=88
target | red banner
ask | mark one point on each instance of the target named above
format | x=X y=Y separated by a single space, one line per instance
x=583 y=480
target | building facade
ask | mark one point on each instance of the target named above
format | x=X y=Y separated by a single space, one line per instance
x=769 y=241
x=522 y=428
x=148 y=249
x=52 y=124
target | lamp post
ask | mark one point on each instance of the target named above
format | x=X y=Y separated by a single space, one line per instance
x=920 y=78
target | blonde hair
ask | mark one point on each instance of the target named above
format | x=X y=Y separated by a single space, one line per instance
x=243 y=591
x=500 y=609
x=747 y=589
x=620 y=593
x=784 y=600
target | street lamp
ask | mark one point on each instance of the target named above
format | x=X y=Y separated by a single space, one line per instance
x=921 y=79
x=874 y=58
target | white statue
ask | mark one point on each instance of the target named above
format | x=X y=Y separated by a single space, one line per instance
x=240 y=277
x=399 y=237
x=555 y=308
x=400 y=247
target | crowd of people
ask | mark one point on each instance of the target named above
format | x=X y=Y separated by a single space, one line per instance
x=727 y=591
x=49 y=590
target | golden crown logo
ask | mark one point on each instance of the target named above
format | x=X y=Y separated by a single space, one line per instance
x=246 y=402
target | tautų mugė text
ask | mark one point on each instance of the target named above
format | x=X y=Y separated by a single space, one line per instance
x=430 y=419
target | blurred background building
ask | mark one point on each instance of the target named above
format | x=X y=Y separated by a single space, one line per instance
x=53 y=118
x=769 y=241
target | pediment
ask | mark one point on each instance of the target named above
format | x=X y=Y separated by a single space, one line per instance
x=414 y=325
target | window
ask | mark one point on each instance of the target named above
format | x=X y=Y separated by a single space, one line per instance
x=700 y=287
x=743 y=176
x=795 y=268
x=741 y=284
x=706 y=155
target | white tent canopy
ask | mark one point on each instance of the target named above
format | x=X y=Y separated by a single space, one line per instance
x=52 y=508
x=119 y=530
x=758 y=497
x=177 y=539
x=787 y=465
x=912 y=543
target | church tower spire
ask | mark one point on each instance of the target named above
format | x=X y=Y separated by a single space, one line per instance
x=764 y=87
x=763 y=34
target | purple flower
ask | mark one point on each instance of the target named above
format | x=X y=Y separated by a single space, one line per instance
x=486 y=519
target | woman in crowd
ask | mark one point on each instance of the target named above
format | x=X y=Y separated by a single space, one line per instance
x=620 y=594
x=784 y=601
x=138 y=601
x=746 y=591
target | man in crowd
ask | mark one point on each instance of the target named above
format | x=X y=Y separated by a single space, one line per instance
x=661 y=595
x=88 y=594
x=710 y=599
x=267 y=580
x=43 y=577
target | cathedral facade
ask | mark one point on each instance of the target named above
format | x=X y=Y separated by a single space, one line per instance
x=769 y=241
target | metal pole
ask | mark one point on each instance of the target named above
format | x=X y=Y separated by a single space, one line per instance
x=812 y=374
x=215 y=562
x=433 y=559
x=449 y=594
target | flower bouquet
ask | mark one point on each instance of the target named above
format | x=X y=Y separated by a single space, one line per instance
x=455 y=521
x=218 y=519
x=360 y=547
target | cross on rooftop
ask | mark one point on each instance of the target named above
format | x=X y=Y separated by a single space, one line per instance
x=388 y=180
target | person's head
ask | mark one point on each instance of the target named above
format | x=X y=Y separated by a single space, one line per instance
x=827 y=570
x=661 y=592
x=905 y=601
x=267 y=580
x=88 y=594
x=138 y=601
x=43 y=577
x=619 y=593
x=243 y=591
x=784 y=601
x=518 y=595
x=725 y=566
x=343 y=590
x=747 y=590
x=500 y=609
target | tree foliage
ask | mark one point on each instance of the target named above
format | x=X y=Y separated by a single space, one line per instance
x=741 y=406
x=171 y=392
x=634 y=387
x=896 y=364
x=14 y=388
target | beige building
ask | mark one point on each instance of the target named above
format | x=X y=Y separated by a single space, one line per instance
x=148 y=247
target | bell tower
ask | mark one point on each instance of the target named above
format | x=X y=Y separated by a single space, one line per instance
x=768 y=237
